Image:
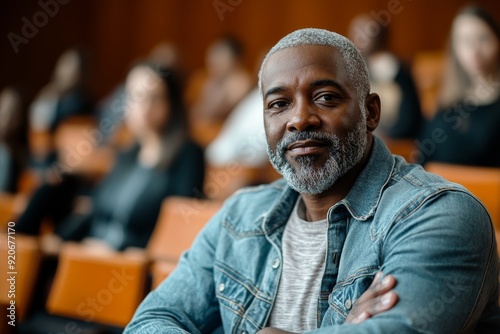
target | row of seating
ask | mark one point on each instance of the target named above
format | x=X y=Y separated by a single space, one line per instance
x=106 y=287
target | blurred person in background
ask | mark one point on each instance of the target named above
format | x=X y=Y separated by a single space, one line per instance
x=65 y=95
x=465 y=129
x=14 y=150
x=112 y=107
x=401 y=115
x=242 y=139
x=163 y=162
x=214 y=92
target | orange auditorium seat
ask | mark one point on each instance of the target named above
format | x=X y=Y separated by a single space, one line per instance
x=77 y=141
x=403 y=147
x=427 y=70
x=180 y=221
x=98 y=286
x=106 y=287
x=25 y=252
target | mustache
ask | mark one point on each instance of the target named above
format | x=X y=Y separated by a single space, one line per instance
x=326 y=138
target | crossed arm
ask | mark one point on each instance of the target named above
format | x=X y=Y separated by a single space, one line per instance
x=378 y=298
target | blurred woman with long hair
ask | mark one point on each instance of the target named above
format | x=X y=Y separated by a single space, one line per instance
x=465 y=129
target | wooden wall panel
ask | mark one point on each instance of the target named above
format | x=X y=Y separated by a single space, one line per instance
x=117 y=32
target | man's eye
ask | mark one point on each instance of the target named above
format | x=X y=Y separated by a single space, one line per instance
x=327 y=97
x=278 y=105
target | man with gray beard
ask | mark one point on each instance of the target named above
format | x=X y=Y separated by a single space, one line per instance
x=352 y=240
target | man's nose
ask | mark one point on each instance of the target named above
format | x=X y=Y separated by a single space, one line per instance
x=304 y=118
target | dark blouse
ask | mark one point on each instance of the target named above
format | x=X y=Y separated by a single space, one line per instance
x=127 y=203
x=8 y=170
x=12 y=163
x=463 y=134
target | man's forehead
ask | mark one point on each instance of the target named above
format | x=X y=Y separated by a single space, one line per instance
x=305 y=51
x=296 y=59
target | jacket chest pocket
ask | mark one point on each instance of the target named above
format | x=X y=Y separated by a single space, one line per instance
x=345 y=294
x=238 y=298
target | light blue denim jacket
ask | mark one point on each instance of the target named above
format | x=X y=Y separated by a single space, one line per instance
x=432 y=235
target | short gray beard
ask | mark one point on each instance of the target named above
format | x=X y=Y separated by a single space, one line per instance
x=308 y=179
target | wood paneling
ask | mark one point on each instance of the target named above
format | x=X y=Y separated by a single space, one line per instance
x=117 y=32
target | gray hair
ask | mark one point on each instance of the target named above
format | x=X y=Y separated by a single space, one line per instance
x=357 y=70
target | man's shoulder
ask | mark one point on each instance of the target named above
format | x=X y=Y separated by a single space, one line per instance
x=415 y=179
x=411 y=187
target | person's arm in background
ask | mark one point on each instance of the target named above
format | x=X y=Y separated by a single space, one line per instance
x=410 y=118
x=191 y=171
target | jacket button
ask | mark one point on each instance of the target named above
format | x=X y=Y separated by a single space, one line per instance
x=276 y=263
x=348 y=304
x=221 y=287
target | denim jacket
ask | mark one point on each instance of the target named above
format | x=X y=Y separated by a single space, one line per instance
x=432 y=235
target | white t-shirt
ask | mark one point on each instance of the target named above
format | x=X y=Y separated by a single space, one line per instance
x=304 y=256
x=242 y=139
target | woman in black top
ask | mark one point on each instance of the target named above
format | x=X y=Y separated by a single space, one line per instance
x=162 y=163
x=14 y=150
x=466 y=128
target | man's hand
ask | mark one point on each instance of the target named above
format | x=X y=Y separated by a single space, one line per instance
x=377 y=299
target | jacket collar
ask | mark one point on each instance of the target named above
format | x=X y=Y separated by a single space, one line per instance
x=364 y=196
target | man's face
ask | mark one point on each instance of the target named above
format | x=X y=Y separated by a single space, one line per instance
x=315 y=129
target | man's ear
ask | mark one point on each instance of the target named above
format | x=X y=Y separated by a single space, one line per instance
x=372 y=105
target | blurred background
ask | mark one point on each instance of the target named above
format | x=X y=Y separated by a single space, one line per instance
x=125 y=124
x=118 y=32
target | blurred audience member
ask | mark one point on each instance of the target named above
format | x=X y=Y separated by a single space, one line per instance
x=214 y=92
x=465 y=130
x=13 y=139
x=242 y=139
x=164 y=162
x=112 y=107
x=401 y=115
x=167 y=55
x=64 y=96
